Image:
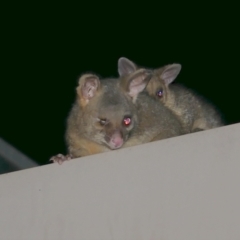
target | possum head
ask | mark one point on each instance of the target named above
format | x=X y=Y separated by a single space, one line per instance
x=109 y=115
x=161 y=77
x=159 y=84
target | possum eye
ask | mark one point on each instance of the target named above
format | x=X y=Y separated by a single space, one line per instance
x=103 y=121
x=127 y=121
x=159 y=93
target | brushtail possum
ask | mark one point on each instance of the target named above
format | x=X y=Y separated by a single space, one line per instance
x=113 y=113
x=194 y=112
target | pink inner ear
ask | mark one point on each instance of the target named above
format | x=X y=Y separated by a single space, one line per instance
x=90 y=87
x=137 y=85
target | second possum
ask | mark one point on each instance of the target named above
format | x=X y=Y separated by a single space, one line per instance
x=194 y=112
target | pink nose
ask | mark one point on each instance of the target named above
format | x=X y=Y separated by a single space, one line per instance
x=116 y=141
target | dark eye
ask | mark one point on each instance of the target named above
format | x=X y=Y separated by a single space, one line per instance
x=159 y=93
x=127 y=121
x=103 y=121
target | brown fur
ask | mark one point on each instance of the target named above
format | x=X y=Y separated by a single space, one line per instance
x=194 y=112
x=113 y=101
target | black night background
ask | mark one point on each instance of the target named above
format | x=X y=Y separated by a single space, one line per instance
x=45 y=49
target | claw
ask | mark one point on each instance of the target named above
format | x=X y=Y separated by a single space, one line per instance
x=60 y=158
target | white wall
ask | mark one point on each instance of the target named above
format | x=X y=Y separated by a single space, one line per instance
x=184 y=188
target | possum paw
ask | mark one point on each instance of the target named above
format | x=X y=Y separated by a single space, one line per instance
x=60 y=158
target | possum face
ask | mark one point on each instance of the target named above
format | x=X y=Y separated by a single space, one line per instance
x=157 y=89
x=109 y=114
x=113 y=124
x=162 y=77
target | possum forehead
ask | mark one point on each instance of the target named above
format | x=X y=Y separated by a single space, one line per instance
x=114 y=105
x=155 y=84
x=112 y=101
x=114 y=111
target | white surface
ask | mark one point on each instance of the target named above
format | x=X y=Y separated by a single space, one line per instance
x=183 y=188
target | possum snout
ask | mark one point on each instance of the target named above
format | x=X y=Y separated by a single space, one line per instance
x=115 y=140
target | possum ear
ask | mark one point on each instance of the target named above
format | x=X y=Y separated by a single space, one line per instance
x=170 y=72
x=125 y=66
x=88 y=86
x=136 y=82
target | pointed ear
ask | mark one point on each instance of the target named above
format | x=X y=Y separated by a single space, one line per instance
x=170 y=72
x=125 y=66
x=136 y=82
x=88 y=85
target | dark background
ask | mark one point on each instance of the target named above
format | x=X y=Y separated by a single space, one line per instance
x=45 y=48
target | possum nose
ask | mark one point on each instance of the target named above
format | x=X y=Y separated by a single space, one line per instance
x=116 y=140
